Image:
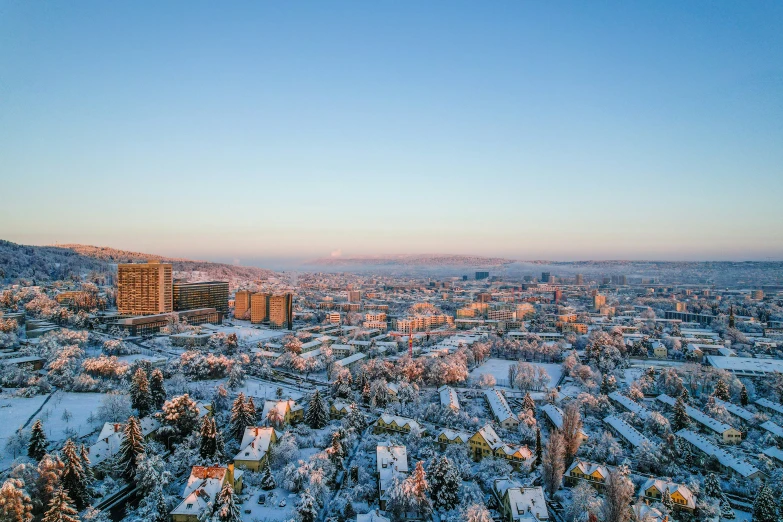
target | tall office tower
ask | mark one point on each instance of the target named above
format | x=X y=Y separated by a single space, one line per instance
x=281 y=314
x=144 y=288
x=259 y=308
x=354 y=296
x=580 y=279
x=482 y=275
x=545 y=277
x=211 y=294
x=599 y=301
x=242 y=304
x=558 y=295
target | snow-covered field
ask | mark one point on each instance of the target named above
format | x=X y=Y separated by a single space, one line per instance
x=14 y=412
x=78 y=406
x=259 y=388
x=498 y=368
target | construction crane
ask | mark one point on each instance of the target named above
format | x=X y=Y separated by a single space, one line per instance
x=410 y=337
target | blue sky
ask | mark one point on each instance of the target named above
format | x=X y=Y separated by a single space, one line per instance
x=584 y=130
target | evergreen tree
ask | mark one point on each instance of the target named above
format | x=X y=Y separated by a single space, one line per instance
x=712 y=486
x=180 y=418
x=604 y=386
x=744 y=396
x=349 y=513
x=686 y=396
x=37 y=447
x=220 y=400
x=336 y=452
x=444 y=482
x=89 y=476
x=764 y=507
x=722 y=391
x=419 y=487
x=73 y=478
x=528 y=403
x=667 y=501
x=141 y=398
x=366 y=393
x=317 y=413
x=131 y=448
x=355 y=419
x=157 y=389
x=680 y=419
x=61 y=508
x=306 y=508
x=250 y=412
x=267 y=479
x=220 y=446
x=243 y=414
x=226 y=508
x=726 y=511
x=156 y=508
x=208 y=444
x=539 y=448
x=15 y=503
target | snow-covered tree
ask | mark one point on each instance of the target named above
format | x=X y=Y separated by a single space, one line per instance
x=722 y=390
x=50 y=469
x=680 y=418
x=553 y=462
x=236 y=376
x=317 y=415
x=131 y=449
x=226 y=508
x=539 y=448
x=306 y=508
x=444 y=482
x=744 y=396
x=712 y=486
x=336 y=452
x=37 y=447
x=89 y=476
x=15 y=503
x=153 y=507
x=477 y=513
x=267 y=479
x=61 y=508
x=618 y=493
x=141 y=398
x=572 y=428
x=208 y=442
x=73 y=478
x=151 y=473
x=528 y=403
x=157 y=389
x=355 y=419
x=179 y=418
x=765 y=508
x=584 y=502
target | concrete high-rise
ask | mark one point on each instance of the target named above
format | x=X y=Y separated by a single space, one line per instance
x=242 y=304
x=259 y=308
x=580 y=279
x=210 y=294
x=144 y=288
x=281 y=314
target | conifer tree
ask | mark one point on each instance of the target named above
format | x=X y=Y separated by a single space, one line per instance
x=336 y=452
x=349 y=513
x=208 y=443
x=157 y=389
x=250 y=412
x=141 y=398
x=667 y=501
x=712 y=486
x=220 y=446
x=444 y=480
x=306 y=507
x=539 y=448
x=355 y=419
x=73 y=478
x=528 y=403
x=89 y=476
x=419 y=487
x=604 y=386
x=15 y=503
x=722 y=391
x=317 y=413
x=61 y=508
x=37 y=447
x=764 y=507
x=267 y=479
x=157 y=510
x=726 y=511
x=744 y=396
x=680 y=420
x=226 y=508
x=239 y=420
x=131 y=448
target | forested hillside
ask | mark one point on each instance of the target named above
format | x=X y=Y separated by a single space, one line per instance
x=44 y=263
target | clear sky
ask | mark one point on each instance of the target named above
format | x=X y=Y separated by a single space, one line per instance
x=557 y=130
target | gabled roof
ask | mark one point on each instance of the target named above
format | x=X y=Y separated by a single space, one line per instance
x=453 y=434
x=700 y=417
x=203 y=486
x=490 y=436
x=738 y=411
x=662 y=485
x=588 y=468
x=628 y=432
x=630 y=405
x=255 y=443
x=741 y=467
x=400 y=421
x=500 y=408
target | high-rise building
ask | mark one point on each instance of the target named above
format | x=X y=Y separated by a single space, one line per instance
x=558 y=295
x=259 y=308
x=482 y=275
x=144 y=288
x=599 y=301
x=211 y=294
x=579 y=279
x=281 y=314
x=242 y=304
x=354 y=296
x=545 y=277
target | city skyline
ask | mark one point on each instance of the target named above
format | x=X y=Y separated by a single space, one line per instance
x=527 y=131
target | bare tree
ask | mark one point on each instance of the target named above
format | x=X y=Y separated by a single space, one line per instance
x=572 y=429
x=553 y=465
x=617 y=496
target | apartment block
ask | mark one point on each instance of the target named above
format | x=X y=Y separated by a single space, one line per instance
x=210 y=294
x=281 y=313
x=259 y=308
x=242 y=304
x=144 y=288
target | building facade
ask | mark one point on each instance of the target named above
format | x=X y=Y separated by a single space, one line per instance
x=211 y=294
x=144 y=288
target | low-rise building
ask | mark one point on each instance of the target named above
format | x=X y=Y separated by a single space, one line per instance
x=449 y=398
x=727 y=461
x=390 y=462
x=202 y=488
x=387 y=423
x=254 y=448
x=585 y=471
x=682 y=496
x=288 y=411
x=500 y=409
x=730 y=435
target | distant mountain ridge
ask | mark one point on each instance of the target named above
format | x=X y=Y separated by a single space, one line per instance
x=412 y=260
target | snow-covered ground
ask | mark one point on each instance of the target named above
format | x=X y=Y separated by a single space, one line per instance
x=79 y=407
x=498 y=368
x=14 y=412
x=270 y=511
x=259 y=388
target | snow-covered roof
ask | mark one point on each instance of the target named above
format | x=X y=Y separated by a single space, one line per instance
x=281 y=407
x=747 y=366
x=527 y=503
x=203 y=486
x=497 y=402
x=588 y=468
x=401 y=421
x=627 y=431
x=768 y=404
x=390 y=461
x=255 y=443
x=743 y=468
x=700 y=417
x=554 y=413
x=630 y=405
x=662 y=485
x=111 y=436
x=453 y=434
x=739 y=411
x=448 y=397
x=342 y=406
x=372 y=516
x=351 y=359
x=773 y=428
x=491 y=437
x=774 y=453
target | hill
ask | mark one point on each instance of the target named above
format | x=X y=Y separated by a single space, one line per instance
x=37 y=263
x=413 y=260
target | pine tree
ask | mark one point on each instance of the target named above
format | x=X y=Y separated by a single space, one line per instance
x=680 y=420
x=141 y=398
x=220 y=446
x=131 y=448
x=226 y=508
x=604 y=386
x=317 y=413
x=349 y=513
x=157 y=389
x=744 y=396
x=267 y=479
x=528 y=403
x=539 y=448
x=89 y=476
x=73 y=478
x=764 y=507
x=419 y=487
x=722 y=391
x=306 y=507
x=15 y=503
x=61 y=508
x=37 y=447
x=444 y=482
x=237 y=422
x=712 y=486
x=180 y=418
x=667 y=501
x=157 y=510
x=208 y=444
x=336 y=452
x=726 y=511
x=250 y=412
x=366 y=393
x=355 y=419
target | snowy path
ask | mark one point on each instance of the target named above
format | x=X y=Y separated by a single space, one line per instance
x=346 y=470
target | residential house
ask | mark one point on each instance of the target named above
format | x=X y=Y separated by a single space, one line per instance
x=449 y=398
x=202 y=488
x=254 y=448
x=288 y=410
x=500 y=409
x=730 y=435
x=391 y=461
x=339 y=409
x=682 y=497
x=524 y=504
x=591 y=472
x=446 y=436
x=727 y=461
x=395 y=424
